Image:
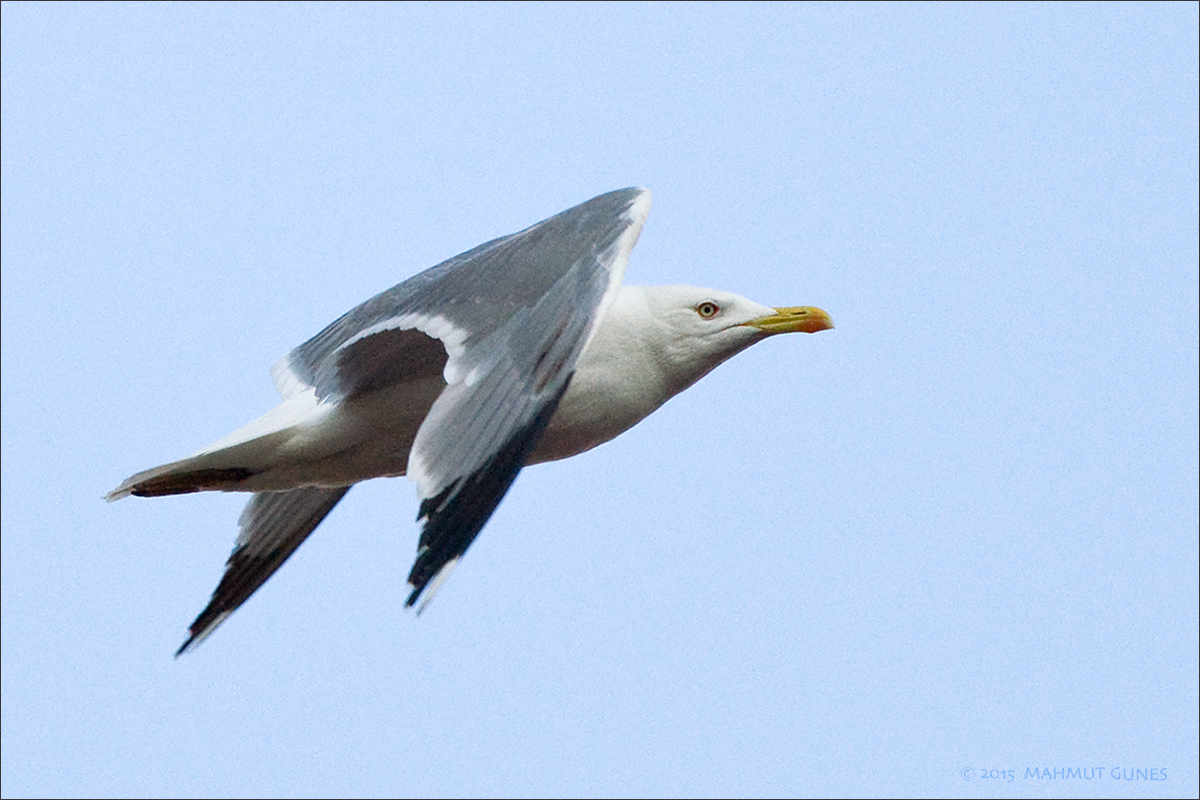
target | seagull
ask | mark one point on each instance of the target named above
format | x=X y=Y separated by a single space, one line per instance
x=525 y=349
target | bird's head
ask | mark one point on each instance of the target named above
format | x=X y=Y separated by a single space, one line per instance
x=700 y=328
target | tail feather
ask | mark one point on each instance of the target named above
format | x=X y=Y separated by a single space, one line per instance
x=221 y=470
x=187 y=482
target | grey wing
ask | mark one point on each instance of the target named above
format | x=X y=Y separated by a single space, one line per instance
x=273 y=525
x=513 y=316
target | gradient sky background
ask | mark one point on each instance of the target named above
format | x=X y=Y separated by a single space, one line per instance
x=957 y=533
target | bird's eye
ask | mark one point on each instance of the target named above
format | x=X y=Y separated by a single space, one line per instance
x=708 y=309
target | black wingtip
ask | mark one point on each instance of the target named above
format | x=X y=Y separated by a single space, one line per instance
x=454 y=516
x=201 y=627
x=420 y=576
x=277 y=522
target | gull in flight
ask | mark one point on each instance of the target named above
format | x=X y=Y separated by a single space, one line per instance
x=525 y=349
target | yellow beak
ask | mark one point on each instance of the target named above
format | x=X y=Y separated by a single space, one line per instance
x=801 y=319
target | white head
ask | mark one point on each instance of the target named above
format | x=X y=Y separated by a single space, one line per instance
x=696 y=329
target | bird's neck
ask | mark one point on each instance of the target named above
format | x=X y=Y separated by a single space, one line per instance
x=620 y=379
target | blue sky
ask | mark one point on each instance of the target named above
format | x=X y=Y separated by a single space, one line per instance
x=954 y=537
